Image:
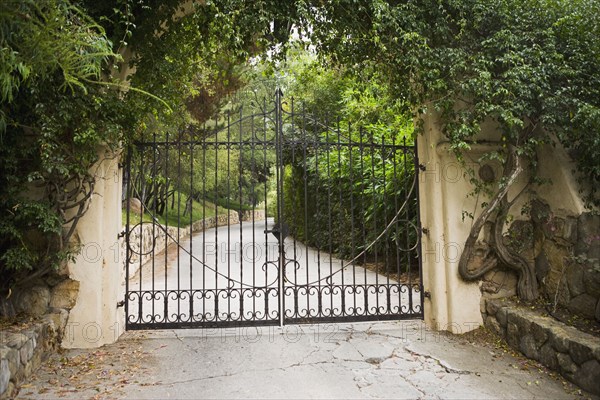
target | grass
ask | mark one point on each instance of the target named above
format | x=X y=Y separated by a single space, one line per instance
x=175 y=215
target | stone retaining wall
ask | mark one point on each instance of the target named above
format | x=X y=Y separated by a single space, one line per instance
x=258 y=215
x=23 y=350
x=574 y=354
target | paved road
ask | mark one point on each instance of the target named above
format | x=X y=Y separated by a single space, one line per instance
x=399 y=360
x=231 y=273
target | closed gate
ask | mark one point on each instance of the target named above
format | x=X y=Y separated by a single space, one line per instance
x=270 y=217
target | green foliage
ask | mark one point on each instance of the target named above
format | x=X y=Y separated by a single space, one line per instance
x=53 y=116
x=531 y=66
x=340 y=199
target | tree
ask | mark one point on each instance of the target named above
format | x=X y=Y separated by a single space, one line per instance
x=78 y=74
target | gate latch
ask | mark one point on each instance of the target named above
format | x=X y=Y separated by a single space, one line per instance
x=279 y=230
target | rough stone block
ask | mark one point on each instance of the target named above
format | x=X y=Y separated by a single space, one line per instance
x=523 y=323
x=492 y=307
x=588 y=230
x=59 y=317
x=574 y=276
x=14 y=340
x=591 y=281
x=566 y=364
x=555 y=284
x=33 y=301
x=548 y=356
x=64 y=295
x=12 y=357
x=502 y=317
x=540 y=334
x=584 y=305
x=579 y=352
x=26 y=352
x=492 y=324
x=512 y=335
x=4 y=376
x=588 y=376
x=560 y=339
x=528 y=346
x=598 y=311
x=542 y=266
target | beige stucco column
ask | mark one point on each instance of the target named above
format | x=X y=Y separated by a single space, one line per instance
x=451 y=304
x=96 y=318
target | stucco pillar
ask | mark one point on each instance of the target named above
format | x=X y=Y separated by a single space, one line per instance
x=452 y=304
x=96 y=318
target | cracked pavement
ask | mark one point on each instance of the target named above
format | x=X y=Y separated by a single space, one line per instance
x=400 y=360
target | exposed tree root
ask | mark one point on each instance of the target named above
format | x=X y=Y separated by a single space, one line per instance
x=496 y=212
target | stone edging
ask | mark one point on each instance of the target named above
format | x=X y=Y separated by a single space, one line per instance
x=574 y=354
x=22 y=351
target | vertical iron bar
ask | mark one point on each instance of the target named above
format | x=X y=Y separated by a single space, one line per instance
x=253 y=194
x=316 y=221
x=305 y=180
x=364 y=219
x=141 y=225
x=419 y=231
x=179 y=226
x=374 y=205
x=294 y=200
x=279 y=177
x=154 y=195
x=216 y=217
x=407 y=234
x=166 y=212
x=341 y=217
x=352 y=212
x=267 y=206
x=191 y=194
x=329 y=236
x=240 y=217
x=228 y=244
x=396 y=224
x=127 y=231
x=385 y=241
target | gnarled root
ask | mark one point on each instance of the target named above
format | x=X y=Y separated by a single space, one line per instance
x=527 y=287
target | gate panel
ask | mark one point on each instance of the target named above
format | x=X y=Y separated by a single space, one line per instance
x=268 y=218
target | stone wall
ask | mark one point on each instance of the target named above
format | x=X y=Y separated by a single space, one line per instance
x=574 y=354
x=254 y=215
x=565 y=250
x=567 y=259
x=23 y=350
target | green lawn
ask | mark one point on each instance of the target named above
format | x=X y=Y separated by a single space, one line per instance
x=199 y=211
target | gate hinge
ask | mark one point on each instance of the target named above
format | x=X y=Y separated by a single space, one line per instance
x=121 y=234
x=425 y=231
x=422 y=167
x=121 y=303
x=427 y=294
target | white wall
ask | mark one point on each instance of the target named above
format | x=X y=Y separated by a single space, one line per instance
x=453 y=304
x=96 y=320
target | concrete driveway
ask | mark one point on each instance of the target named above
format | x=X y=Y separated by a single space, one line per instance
x=399 y=360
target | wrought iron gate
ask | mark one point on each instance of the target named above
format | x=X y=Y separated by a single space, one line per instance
x=272 y=217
